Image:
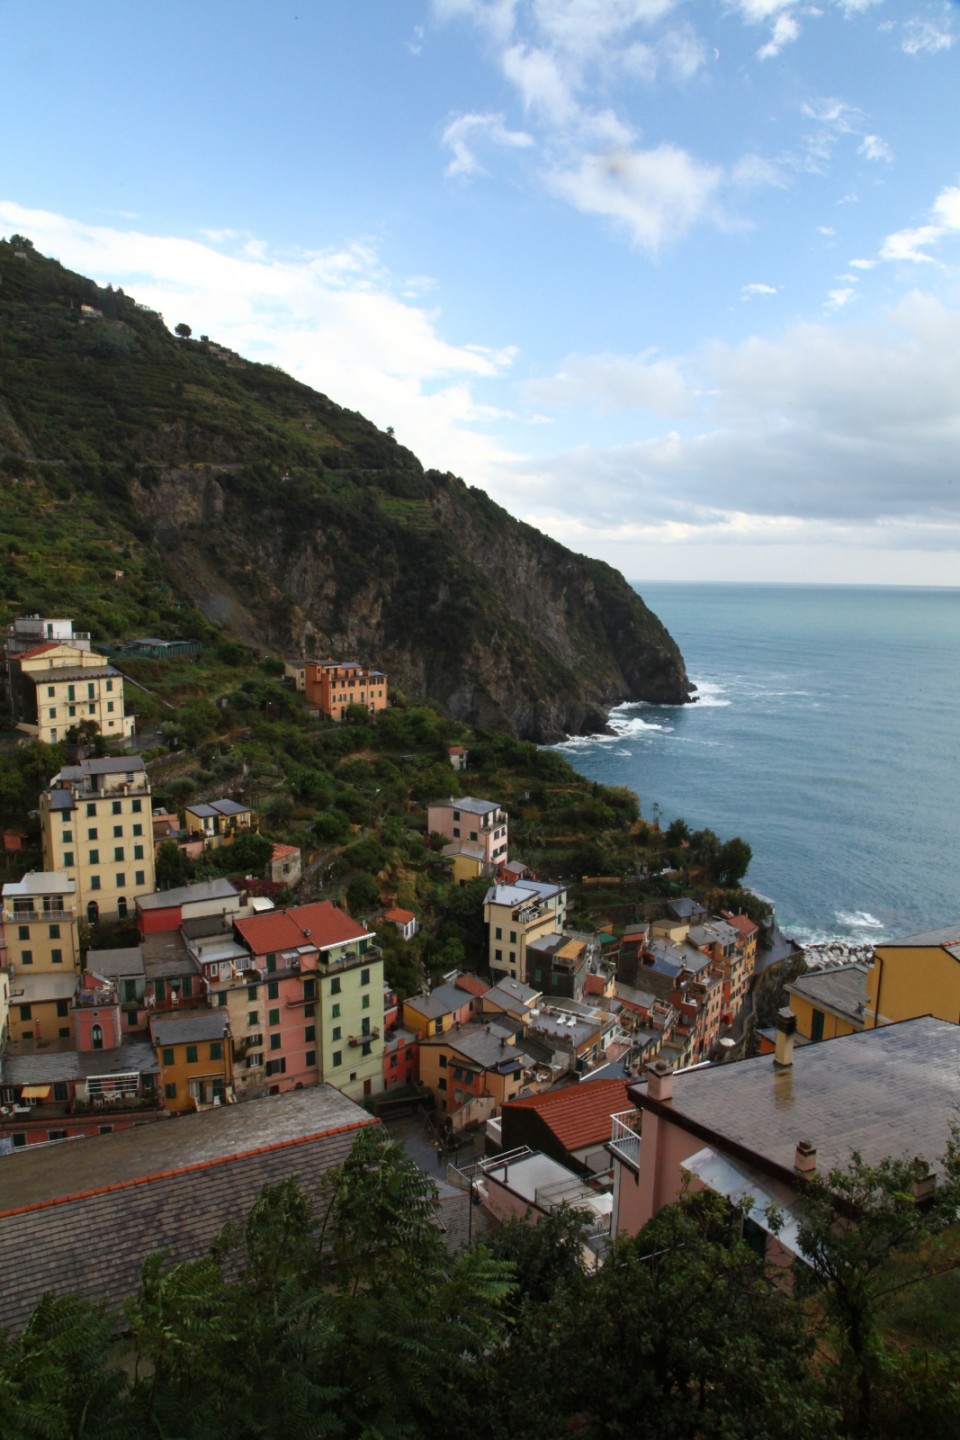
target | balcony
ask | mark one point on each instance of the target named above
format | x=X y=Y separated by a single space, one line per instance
x=363 y=1039
x=624 y=1142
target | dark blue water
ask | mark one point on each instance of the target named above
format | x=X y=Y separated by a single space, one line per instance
x=826 y=736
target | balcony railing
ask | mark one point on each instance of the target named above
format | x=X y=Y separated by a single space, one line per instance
x=362 y=1039
x=625 y=1137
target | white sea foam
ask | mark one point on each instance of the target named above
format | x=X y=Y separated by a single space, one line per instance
x=859 y=920
x=711 y=695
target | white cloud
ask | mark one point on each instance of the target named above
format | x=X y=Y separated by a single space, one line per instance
x=924 y=37
x=749 y=291
x=332 y=318
x=656 y=195
x=466 y=132
x=785 y=32
x=873 y=148
x=914 y=244
x=836 y=299
x=543 y=85
x=611 y=382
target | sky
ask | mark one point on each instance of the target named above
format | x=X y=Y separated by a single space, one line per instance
x=677 y=283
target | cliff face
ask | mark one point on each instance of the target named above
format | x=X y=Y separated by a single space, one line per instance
x=298 y=526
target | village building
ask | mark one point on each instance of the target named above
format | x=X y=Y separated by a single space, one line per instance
x=332 y=686
x=481 y=824
x=95 y=822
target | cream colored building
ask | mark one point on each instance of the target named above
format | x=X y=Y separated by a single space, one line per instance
x=96 y=826
x=516 y=914
x=57 y=686
x=41 y=954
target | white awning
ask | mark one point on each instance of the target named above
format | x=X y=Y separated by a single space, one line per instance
x=748 y=1189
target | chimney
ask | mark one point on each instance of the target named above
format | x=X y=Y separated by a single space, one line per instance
x=786 y=1028
x=659 y=1080
x=805 y=1160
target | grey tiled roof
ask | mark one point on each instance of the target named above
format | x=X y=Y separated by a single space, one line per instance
x=46 y=1066
x=177 y=1182
x=127 y=960
x=842 y=990
x=190 y=1027
x=203 y=890
x=889 y=1091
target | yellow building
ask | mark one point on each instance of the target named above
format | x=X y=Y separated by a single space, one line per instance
x=828 y=1003
x=477 y=1062
x=41 y=954
x=218 y=822
x=96 y=827
x=516 y=914
x=919 y=975
x=194 y=1051
x=57 y=686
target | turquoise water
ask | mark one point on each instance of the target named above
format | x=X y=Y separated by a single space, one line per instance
x=826 y=736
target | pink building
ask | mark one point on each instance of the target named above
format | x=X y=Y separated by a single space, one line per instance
x=474 y=822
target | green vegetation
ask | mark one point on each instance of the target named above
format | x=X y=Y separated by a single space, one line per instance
x=350 y=1319
x=157 y=484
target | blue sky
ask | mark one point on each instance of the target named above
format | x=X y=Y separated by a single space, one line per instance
x=678 y=283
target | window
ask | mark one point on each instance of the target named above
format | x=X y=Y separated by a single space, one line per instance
x=365 y=1003
x=335 y=985
x=56 y=1134
x=96 y=1035
x=51 y=692
x=23 y=932
x=104 y=1129
x=337 y=1057
x=216 y=1050
x=309 y=989
x=160 y=988
x=252 y=1017
x=310 y=1010
x=138 y=829
x=94 y=883
x=54 y=933
x=364 y=977
x=191 y=1054
x=120 y=880
x=166 y=1056
x=309 y=1033
x=92 y=811
x=117 y=852
x=334 y=1012
x=271 y=964
x=513 y=937
x=19 y=1139
x=275 y=1041
x=251 y=992
x=136 y=805
x=456 y=832
x=63 y=1010
x=118 y=832
x=26 y=957
x=276 y=1067
x=94 y=857
x=337 y=1033
x=365 y=1048
x=442 y=1084
x=273 y=1017
x=138 y=852
x=273 y=990
x=311 y=1057
x=170 y=1090
x=443 y=1062
x=498 y=954
x=67 y=837
x=68 y=859
x=140 y=878
x=122 y=907
x=498 y=933
x=117 y=807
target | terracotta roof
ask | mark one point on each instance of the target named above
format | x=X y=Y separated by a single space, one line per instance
x=743 y=923
x=471 y=984
x=578 y=1115
x=279 y=851
x=272 y=931
x=398 y=916
x=327 y=924
x=40 y=649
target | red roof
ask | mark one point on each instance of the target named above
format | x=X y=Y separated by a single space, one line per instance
x=743 y=923
x=41 y=649
x=272 y=931
x=578 y=1115
x=398 y=916
x=280 y=850
x=326 y=924
x=471 y=984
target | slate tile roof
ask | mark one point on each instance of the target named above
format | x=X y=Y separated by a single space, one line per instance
x=83 y=1215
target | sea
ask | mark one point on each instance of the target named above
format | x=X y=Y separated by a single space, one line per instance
x=826 y=735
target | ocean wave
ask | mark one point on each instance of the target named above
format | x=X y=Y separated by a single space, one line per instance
x=858 y=919
x=710 y=695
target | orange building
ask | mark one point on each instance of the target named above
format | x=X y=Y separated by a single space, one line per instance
x=332 y=687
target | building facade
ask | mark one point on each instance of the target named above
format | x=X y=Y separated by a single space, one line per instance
x=95 y=825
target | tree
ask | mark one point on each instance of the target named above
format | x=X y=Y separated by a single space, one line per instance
x=183 y=331
x=249 y=853
x=857 y=1222
x=362 y=894
x=733 y=861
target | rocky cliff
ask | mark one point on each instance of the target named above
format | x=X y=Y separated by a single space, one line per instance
x=297 y=526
